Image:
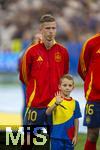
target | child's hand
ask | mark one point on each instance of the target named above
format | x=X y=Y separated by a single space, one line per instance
x=74 y=140
x=58 y=97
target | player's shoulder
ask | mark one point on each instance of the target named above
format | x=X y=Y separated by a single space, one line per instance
x=32 y=48
x=95 y=36
x=61 y=48
x=92 y=39
x=60 y=45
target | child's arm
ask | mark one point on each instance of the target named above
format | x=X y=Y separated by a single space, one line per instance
x=58 y=101
x=50 y=109
x=75 y=138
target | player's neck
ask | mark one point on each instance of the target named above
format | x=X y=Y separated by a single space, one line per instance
x=48 y=44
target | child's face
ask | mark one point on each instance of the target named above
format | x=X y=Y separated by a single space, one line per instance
x=66 y=87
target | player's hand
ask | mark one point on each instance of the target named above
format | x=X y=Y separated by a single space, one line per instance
x=58 y=97
x=74 y=140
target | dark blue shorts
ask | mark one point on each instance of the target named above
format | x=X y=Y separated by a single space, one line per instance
x=37 y=116
x=60 y=144
x=92 y=115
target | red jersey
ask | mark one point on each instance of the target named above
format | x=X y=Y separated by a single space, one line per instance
x=40 y=70
x=89 y=68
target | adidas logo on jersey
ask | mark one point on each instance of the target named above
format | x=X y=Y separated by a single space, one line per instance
x=98 y=51
x=39 y=58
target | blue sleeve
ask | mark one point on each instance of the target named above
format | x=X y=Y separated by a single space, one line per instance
x=77 y=112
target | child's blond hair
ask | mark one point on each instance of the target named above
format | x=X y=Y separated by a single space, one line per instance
x=67 y=76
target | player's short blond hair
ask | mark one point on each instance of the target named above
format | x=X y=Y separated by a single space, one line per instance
x=66 y=76
x=47 y=18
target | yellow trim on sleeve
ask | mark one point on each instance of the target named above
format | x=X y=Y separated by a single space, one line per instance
x=24 y=70
x=90 y=87
x=82 y=61
x=31 y=98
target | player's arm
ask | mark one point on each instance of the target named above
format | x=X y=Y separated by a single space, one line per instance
x=84 y=60
x=25 y=67
x=75 y=138
x=66 y=62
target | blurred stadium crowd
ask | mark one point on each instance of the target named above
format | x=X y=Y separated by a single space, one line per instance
x=77 y=20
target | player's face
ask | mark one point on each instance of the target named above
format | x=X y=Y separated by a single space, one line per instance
x=48 y=31
x=66 y=87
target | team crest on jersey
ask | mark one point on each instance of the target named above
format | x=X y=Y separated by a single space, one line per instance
x=58 y=57
x=98 y=51
x=39 y=59
x=88 y=119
